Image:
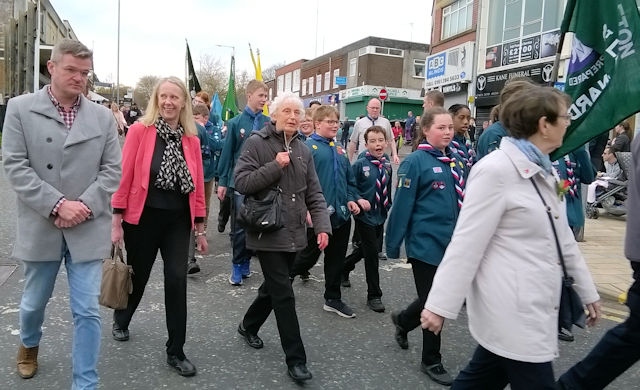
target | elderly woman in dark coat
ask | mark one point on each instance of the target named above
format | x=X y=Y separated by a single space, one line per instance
x=275 y=157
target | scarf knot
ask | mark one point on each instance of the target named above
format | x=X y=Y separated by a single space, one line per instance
x=457 y=174
x=382 y=190
x=257 y=117
x=174 y=174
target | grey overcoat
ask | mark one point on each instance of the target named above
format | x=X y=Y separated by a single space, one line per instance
x=43 y=161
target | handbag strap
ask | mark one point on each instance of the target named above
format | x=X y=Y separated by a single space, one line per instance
x=116 y=253
x=555 y=233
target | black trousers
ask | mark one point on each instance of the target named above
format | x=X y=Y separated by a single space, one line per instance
x=167 y=231
x=276 y=294
x=370 y=239
x=409 y=318
x=489 y=371
x=334 y=255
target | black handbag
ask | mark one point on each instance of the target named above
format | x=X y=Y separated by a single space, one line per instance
x=261 y=215
x=578 y=315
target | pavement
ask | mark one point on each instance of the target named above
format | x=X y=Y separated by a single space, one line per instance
x=342 y=353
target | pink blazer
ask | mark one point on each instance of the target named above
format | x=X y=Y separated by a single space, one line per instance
x=136 y=169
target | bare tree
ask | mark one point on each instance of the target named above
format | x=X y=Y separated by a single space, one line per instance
x=269 y=73
x=212 y=75
x=144 y=88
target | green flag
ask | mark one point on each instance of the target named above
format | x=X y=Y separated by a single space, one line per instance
x=230 y=106
x=192 y=80
x=603 y=78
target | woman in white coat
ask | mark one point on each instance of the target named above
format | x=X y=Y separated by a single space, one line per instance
x=511 y=280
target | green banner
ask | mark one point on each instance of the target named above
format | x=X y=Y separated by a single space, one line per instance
x=230 y=106
x=603 y=77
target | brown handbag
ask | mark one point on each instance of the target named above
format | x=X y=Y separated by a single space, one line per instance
x=116 y=282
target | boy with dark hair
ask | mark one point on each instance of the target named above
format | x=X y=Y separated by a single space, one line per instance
x=372 y=174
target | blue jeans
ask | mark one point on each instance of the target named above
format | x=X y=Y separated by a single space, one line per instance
x=618 y=349
x=84 y=288
x=238 y=239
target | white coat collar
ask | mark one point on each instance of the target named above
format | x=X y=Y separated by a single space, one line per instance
x=525 y=167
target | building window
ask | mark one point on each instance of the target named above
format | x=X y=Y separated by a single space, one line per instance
x=327 y=80
x=311 y=85
x=318 y=83
x=418 y=68
x=457 y=18
x=296 y=81
x=304 y=87
x=382 y=51
x=513 y=19
x=353 y=67
x=336 y=73
x=287 y=82
x=280 y=83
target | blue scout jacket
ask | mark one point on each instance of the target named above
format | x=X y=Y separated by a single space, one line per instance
x=211 y=144
x=238 y=130
x=425 y=208
x=584 y=173
x=365 y=174
x=338 y=187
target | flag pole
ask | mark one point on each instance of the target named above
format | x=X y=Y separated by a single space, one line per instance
x=556 y=61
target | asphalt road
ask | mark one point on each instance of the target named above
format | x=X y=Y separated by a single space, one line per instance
x=358 y=353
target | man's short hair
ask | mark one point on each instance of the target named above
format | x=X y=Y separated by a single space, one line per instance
x=436 y=97
x=70 y=46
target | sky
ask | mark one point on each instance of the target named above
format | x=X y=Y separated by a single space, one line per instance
x=153 y=32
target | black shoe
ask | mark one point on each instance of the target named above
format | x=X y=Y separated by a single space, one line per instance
x=184 y=366
x=345 y=282
x=437 y=373
x=376 y=305
x=193 y=267
x=401 y=334
x=299 y=373
x=382 y=256
x=118 y=333
x=565 y=334
x=252 y=339
x=221 y=227
x=305 y=276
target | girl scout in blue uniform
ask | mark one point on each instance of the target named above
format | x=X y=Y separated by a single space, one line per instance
x=430 y=190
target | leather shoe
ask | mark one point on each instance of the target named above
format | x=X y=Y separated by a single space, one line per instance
x=118 y=333
x=184 y=366
x=252 y=339
x=401 y=334
x=376 y=305
x=27 y=361
x=299 y=373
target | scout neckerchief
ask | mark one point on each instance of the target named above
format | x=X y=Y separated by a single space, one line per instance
x=382 y=194
x=571 y=177
x=455 y=169
x=334 y=151
x=257 y=117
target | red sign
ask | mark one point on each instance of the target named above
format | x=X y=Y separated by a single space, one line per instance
x=383 y=94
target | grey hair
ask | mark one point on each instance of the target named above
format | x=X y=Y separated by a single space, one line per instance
x=287 y=97
x=70 y=46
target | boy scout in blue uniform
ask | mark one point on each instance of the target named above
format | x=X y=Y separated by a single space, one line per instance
x=338 y=187
x=372 y=173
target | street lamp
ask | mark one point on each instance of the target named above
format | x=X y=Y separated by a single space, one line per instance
x=118 y=60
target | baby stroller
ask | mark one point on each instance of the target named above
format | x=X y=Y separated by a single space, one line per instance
x=613 y=199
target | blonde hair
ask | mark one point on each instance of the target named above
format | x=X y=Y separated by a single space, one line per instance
x=152 y=113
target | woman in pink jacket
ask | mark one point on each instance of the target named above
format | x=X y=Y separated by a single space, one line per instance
x=159 y=201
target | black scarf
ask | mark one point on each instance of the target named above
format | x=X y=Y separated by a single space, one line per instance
x=173 y=169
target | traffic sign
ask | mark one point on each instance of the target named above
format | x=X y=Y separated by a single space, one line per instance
x=383 y=94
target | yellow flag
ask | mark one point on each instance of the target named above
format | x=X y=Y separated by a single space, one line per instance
x=258 y=68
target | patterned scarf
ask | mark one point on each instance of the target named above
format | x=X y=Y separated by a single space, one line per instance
x=455 y=169
x=571 y=177
x=257 y=117
x=173 y=169
x=332 y=146
x=466 y=153
x=382 y=194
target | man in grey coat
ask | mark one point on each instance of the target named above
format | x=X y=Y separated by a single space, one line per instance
x=619 y=348
x=62 y=158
